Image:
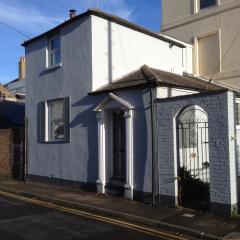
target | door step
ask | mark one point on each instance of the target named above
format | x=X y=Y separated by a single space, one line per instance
x=114 y=190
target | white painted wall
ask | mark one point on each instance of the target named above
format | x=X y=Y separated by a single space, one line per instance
x=118 y=50
x=165 y=92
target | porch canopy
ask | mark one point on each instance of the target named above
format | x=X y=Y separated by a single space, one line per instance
x=145 y=76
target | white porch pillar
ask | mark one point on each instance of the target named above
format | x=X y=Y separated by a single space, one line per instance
x=128 y=186
x=101 y=153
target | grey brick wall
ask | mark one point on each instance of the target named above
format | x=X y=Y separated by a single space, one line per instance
x=220 y=110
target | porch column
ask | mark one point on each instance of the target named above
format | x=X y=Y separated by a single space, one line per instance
x=128 y=186
x=101 y=153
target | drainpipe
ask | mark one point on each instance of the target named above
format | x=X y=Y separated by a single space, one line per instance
x=151 y=88
x=26 y=150
x=152 y=80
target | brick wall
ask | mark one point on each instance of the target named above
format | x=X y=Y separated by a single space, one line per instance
x=11 y=153
x=219 y=107
x=6 y=150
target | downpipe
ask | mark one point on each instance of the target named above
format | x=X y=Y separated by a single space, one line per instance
x=153 y=127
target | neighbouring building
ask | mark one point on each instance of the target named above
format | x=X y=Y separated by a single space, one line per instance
x=12 y=139
x=5 y=94
x=212 y=27
x=18 y=86
x=12 y=135
x=113 y=107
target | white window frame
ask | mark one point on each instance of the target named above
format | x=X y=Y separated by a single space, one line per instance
x=51 y=52
x=47 y=121
x=197 y=6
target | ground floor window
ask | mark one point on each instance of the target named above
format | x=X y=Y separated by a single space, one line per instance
x=56 y=124
x=238 y=112
x=54 y=120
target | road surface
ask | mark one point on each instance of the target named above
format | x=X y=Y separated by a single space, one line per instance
x=23 y=220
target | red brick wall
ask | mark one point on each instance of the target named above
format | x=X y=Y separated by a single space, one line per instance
x=6 y=153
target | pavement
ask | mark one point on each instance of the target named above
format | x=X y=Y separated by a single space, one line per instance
x=201 y=225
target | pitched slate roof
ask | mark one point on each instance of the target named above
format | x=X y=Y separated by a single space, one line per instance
x=145 y=76
x=111 y=18
x=15 y=80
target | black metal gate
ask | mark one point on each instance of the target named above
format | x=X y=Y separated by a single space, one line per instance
x=193 y=156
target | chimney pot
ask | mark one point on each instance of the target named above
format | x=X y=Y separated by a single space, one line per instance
x=72 y=13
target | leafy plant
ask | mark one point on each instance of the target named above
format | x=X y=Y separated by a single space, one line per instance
x=192 y=189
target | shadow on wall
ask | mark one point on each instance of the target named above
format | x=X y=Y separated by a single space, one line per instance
x=87 y=118
x=141 y=145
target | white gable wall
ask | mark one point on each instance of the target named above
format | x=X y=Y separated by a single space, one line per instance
x=118 y=50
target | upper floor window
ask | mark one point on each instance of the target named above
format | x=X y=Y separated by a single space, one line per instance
x=207 y=3
x=54 y=52
x=208 y=54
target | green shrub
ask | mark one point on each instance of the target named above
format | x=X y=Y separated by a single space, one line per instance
x=192 y=189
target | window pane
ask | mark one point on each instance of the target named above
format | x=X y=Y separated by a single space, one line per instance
x=238 y=113
x=55 y=43
x=207 y=3
x=57 y=129
x=54 y=53
x=51 y=59
x=56 y=119
x=57 y=110
x=57 y=57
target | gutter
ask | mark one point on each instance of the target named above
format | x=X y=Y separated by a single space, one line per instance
x=109 y=17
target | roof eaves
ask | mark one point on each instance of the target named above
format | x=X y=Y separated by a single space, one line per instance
x=55 y=29
x=15 y=80
x=133 y=26
x=219 y=84
x=109 y=17
x=118 y=89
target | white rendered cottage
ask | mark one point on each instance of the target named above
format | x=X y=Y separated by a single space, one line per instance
x=101 y=119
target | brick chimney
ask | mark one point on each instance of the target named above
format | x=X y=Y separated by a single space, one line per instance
x=21 y=68
x=72 y=13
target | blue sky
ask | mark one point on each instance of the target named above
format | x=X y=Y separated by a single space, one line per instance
x=33 y=17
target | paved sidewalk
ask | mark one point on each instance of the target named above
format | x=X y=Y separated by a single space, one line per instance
x=184 y=221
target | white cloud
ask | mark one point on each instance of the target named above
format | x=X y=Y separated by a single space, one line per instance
x=26 y=19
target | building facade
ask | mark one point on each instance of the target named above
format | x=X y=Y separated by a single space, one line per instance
x=93 y=124
x=212 y=27
x=67 y=73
